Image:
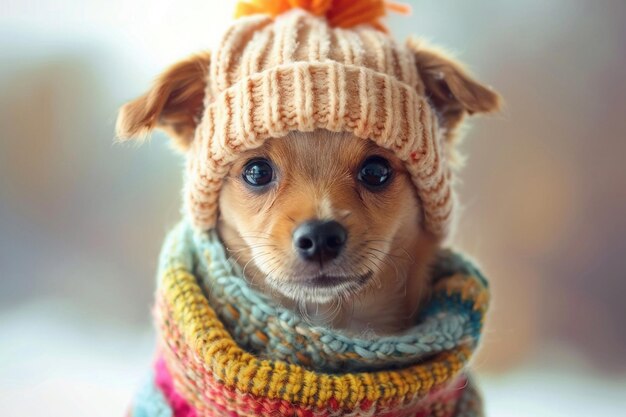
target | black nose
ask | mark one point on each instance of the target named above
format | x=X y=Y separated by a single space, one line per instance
x=319 y=240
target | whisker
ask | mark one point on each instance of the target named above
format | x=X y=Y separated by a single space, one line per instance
x=254 y=246
x=388 y=262
x=390 y=254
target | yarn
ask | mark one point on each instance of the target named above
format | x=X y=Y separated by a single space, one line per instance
x=227 y=350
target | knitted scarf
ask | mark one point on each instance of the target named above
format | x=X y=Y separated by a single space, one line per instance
x=226 y=350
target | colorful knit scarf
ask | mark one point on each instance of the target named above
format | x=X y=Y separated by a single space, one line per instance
x=227 y=350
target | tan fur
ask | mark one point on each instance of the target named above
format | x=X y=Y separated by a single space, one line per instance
x=317 y=180
x=174 y=104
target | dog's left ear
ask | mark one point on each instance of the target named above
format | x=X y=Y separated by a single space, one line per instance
x=451 y=90
x=173 y=104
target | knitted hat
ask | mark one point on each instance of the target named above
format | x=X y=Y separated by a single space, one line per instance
x=298 y=65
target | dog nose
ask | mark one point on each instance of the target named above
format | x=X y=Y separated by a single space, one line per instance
x=318 y=240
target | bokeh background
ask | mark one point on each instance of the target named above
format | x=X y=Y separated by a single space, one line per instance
x=82 y=219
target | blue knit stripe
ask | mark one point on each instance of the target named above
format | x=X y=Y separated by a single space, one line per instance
x=150 y=402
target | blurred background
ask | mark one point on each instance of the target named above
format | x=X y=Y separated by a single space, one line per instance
x=82 y=219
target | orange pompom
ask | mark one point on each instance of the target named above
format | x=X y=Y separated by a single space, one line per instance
x=340 y=13
x=316 y=7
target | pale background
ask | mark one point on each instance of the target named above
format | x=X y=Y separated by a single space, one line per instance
x=82 y=219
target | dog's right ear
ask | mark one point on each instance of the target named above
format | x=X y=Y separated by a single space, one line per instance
x=174 y=104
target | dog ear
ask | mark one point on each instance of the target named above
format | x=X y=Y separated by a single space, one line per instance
x=173 y=104
x=451 y=90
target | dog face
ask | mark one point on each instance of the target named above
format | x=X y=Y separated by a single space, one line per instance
x=319 y=216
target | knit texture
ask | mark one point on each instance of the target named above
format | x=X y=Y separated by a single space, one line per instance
x=296 y=72
x=226 y=350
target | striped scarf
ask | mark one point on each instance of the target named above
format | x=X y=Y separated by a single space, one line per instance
x=227 y=350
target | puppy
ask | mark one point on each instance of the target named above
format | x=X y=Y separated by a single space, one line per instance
x=321 y=151
x=328 y=224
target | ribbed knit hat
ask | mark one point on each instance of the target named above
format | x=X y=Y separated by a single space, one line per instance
x=298 y=65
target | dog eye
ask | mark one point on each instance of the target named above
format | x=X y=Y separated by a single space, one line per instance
x=258 y=172
x=375 y=172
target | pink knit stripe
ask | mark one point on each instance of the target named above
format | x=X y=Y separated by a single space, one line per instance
x=163 y=379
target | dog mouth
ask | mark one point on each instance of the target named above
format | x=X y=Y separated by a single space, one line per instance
x=322 y=288
x=330 y=281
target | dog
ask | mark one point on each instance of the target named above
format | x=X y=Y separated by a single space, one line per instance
x=321 y=156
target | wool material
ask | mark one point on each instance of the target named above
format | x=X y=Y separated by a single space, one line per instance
x=226 y=350
x=296 y=72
